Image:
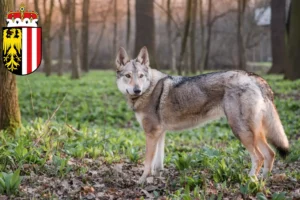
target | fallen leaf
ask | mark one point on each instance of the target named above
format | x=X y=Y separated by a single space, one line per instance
x=279 y=177
x=88 y=189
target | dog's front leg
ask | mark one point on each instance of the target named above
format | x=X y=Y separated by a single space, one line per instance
x=151 y=144
x=158 y=162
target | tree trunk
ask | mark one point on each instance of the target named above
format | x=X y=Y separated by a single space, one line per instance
x=202 y=33
x=145 y=29
x=115 y=27
x=10 y=117
x=240 y=40
x=61 y=42
x=278 y=36
x=128 y=24
x=208 y=39
x=85 y=36
x=292 y=71
x=73 y=41
x=192 y=38
x=171 y=46
x=45 y=22
x=186 y=59
x=99 y=39
x=185 y=35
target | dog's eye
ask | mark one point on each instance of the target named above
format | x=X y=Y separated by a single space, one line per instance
x=128 y=76
x=142 y=75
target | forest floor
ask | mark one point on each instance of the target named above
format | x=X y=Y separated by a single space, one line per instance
x=79 y=140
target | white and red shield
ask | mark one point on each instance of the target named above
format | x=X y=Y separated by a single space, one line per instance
x=22 y=49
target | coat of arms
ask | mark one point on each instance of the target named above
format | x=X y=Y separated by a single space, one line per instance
x=22 y=42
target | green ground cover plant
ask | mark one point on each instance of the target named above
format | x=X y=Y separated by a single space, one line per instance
x=79 y=139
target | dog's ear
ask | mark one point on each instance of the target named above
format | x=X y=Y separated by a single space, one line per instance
x=143 y=57
x=122 y=58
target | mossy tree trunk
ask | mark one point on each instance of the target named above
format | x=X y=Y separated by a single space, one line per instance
x=10 y=117
x=292 y=70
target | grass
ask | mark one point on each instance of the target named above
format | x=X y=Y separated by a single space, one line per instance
x=80 y=139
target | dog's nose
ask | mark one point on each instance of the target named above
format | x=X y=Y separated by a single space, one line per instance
x=136 y=91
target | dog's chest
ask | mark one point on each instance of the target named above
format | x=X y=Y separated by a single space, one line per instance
x=139 y=116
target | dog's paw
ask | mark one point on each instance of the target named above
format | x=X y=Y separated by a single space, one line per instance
x=157 y=172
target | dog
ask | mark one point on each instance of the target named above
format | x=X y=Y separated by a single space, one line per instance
x=170 y=103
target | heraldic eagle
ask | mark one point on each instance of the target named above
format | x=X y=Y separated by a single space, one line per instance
x=12 y=45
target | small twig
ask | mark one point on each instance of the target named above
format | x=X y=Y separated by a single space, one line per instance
x=73 y=129
x=48 y=121
x=171 y=17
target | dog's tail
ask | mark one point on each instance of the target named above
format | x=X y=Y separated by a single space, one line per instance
x=275 y=132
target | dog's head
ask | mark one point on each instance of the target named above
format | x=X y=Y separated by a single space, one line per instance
x=133 y=76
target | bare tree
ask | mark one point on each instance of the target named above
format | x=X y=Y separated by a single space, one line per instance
x=192 y=37
x=171 y=45
x=85 y=36
x=10 y=117
x=61 y=35
x=115 y=27
x=209 y=25
x=128 y=24
x=292 y=71
x=99 y=39
x=187 y=20
x=46 y=23
x=278 y=36
x=202 y=33
x=240 y=39
x=145 y=29
x=73 y=41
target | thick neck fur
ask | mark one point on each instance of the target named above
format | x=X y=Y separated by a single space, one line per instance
x=138 y=103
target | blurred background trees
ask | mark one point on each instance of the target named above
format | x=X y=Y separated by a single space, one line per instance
x=185 y=37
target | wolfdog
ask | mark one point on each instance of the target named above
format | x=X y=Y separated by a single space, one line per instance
x=169 y=103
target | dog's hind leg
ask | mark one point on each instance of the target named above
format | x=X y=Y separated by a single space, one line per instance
x=268 y=153
x=158 y=161
x=257 y=157
x=243 y=125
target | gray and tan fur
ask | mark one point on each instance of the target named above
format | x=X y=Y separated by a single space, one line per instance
x=162 y=103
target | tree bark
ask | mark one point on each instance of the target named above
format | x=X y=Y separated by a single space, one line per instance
x=46 y=23
x=61 y=42
x=278 y=36
x=85 y=36
x=171 y=45
x=73 y=41
x=115 y=27
x=292 y=71
x=240 y=39
x=202 y=33
x=185 y=35
x=99 y=39
x=209 y=25
x=145 y=29
x=128 y=24
x=192 y=37
x=10 y=117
